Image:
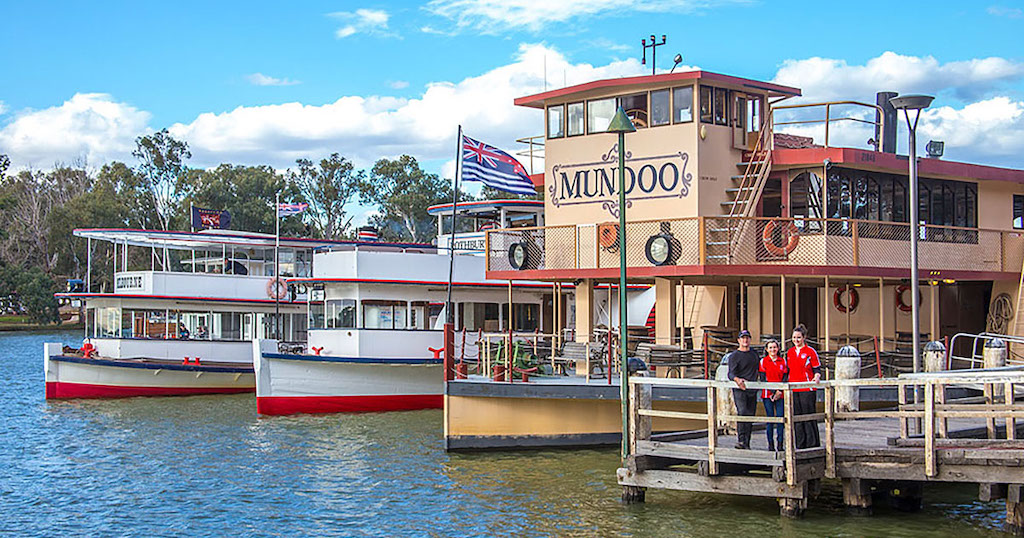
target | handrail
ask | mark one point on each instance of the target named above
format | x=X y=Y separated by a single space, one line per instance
x=828 y=116
x=531 y=141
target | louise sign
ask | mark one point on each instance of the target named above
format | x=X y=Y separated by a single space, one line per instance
x=647 y=178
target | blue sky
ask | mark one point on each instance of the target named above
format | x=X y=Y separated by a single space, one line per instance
x=268 y=82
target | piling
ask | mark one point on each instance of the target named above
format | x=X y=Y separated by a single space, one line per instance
x=848 y=367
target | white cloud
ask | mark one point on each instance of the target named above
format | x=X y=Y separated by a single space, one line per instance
x=3 y=108
x=259 y=79
x=497 y=16
x=89 y=126
x=398 y=84
x=986 y=131
x=366 y=21
x=1008 y=12
x=824 y=79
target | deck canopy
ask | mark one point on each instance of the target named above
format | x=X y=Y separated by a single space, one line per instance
x=489 y=209
x=212 y=239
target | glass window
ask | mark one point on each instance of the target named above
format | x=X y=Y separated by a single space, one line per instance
x=682 y=104
x=705 y=104
x=660 y=112
x=575 y=123
x=900 y=209
x=599 y=115
x=341 y=314
x=721 y=106
x=556 y=121
x=90 y=319
x=317 y=313
x=108 y=322
x=636 y=108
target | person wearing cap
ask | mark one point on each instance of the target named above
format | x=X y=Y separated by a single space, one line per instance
x=744 y=366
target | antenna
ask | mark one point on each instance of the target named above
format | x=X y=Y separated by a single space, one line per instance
x=654 y=51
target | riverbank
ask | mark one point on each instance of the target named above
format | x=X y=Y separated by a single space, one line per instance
x=10 y=326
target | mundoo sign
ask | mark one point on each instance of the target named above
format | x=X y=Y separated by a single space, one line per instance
x=659 y=176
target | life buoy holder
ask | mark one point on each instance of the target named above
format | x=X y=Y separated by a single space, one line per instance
x=789 y=229
x=276 y=288
x=608 y=235
x=900 y=303
x=837 y=299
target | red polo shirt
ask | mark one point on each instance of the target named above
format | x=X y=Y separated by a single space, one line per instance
x=774 y=372
x=801 y=365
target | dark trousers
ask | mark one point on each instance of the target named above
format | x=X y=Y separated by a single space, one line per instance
x=746 y=406
x=773 y=409
x=805 y=433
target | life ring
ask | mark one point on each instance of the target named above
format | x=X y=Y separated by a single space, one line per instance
x=608 y=235
x=904 y=307
x=791 y=232
x=837 y=299
x=276 y=288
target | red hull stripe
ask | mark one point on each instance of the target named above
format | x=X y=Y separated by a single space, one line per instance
x=291 y=405
x=65 y=391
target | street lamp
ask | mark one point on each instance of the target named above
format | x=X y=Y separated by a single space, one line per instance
x=621 y=124
x=916 y=103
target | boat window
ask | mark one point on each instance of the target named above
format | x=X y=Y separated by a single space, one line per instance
x=682 y=104
x=660 y=112
x=418 y=315
x=341 y=313
x=526 y=317
x=805 y=201
x=383 y=314
x=556 y=121
x=706 y=106
x=636 y=108
x=1018 y=212
x=478 y=316
x=599 y=115
x=90 y=322
x=317 y=311
x=721 y=106
x=575 y=119
x=108 y=322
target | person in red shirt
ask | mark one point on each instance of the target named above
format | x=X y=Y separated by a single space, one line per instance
x=804 y=366
x=773 y=369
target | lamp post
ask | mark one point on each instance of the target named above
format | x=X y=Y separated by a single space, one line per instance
x=621 y=124
x=916 y=103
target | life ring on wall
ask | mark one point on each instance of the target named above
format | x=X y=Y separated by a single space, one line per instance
x=768 y=239
x=276 y=288
x=608 y=235
x=837 y=299
x=904 y=307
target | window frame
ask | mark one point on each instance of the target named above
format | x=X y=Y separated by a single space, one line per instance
x=583 y=116
x=561 y=121
x=692 y=115
x=650 y=112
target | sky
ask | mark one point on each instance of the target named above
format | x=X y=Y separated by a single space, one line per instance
x=271 y=82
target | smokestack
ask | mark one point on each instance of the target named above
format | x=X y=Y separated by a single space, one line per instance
x=885 y=135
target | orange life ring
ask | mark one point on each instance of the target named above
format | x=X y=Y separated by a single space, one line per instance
x=837 y=299
x=276 y=288
x=904 y=307
x=791 y=232
x=608 y=235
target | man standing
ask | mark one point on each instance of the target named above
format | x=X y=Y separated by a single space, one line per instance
x=743 y=367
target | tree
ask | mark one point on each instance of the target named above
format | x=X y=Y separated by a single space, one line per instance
x=29 y=290
x=402 y=192
x=328 y=189
x=29 y=199
x=162 y=165
x=247 y=192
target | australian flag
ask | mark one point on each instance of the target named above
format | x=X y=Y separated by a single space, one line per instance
x=204 y=219
x=284 y=210
x=494 y=168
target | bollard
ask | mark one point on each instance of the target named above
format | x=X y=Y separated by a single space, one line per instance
x=847 y=367
x=994 y=355
x=725 y=403
x=934 y=357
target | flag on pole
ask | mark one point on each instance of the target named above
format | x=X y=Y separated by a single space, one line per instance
x=203 y=219
x=284 y=210
x=494 y=168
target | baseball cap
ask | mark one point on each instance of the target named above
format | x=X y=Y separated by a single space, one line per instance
x=744 y=334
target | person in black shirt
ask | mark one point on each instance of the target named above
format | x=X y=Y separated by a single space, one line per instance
x=744 y=365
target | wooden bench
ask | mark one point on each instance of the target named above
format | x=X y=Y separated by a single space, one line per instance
x=672 y=358
x=574 y=353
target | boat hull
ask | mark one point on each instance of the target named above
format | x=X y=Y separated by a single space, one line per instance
x=293 y=384
x=70 y=377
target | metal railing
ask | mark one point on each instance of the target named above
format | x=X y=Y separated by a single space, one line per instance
x=828 y=119
x=534 y=150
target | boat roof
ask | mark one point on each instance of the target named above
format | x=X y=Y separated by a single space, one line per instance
x=489 y=208
x=214 y=239
x=774 y=90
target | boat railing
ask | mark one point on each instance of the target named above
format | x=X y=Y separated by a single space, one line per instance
x=977 y=344
x=826 y=114
x=534 y=150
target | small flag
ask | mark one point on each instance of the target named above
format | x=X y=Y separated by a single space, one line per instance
x=284 y=210
x=204 y=219
x=494 y=168
x=367 y=234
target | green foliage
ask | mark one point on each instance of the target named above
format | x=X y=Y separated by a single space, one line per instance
x=403 y=192
x=328 y=189
x=247 y=192
x=29 y=290
x=162 y=164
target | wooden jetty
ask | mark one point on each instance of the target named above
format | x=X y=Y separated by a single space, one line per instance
x=896 y=450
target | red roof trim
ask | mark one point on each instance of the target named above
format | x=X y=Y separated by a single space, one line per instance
x=537 y=100
x=172 y=298
x=894 y=163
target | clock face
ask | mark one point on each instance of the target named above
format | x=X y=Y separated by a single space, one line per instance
x=659 y=249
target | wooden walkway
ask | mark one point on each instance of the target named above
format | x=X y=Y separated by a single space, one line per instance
x=871 y=451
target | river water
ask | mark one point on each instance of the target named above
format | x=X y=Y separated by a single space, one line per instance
x=207 y=466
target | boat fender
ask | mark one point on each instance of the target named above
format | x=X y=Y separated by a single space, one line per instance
x=317 y=350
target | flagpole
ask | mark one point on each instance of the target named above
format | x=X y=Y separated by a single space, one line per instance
x=449 y=307
x=277 y=267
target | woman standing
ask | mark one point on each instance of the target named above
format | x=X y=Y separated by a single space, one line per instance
x=804 y=366
x=773 y=369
